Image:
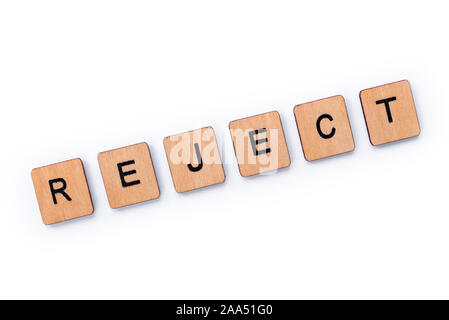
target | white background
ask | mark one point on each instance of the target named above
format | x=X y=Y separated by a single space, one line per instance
x=81 y=77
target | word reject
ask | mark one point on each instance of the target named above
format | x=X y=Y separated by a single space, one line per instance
x=194 y=160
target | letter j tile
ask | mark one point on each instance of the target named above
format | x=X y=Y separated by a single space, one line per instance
x=194 y=159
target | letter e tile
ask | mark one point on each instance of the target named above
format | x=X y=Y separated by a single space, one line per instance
x=259 y=143
x=128 y=175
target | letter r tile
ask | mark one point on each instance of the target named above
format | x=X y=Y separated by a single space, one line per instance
x=259 y=143
x=194 y=159
x=62 y=191
x=390 y=113
x=128 y=175
x=324 y=128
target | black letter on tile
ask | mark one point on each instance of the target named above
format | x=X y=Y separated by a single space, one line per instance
x=59 y=190
x=254 y=142
x=200 y=160
x=387 y=106
x=127 y=173
x=318 y=126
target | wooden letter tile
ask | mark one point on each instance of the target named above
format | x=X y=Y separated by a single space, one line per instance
x=324 y=128
x=259 y=143
x=128 y=175
x=194 y=159
x=390 y=112
x=62 y=191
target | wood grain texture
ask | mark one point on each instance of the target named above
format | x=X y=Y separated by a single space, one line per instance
x=133 y=165
x=324 y=128
x=403 y=121
x=270 y=152
x=182 y=152
x=77 y=189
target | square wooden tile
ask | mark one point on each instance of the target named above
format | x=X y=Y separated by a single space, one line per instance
x=128 y=175
x=259 y=143
x=390 y=112
x=62 y=191
x=324 y=128
x=194 y=159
